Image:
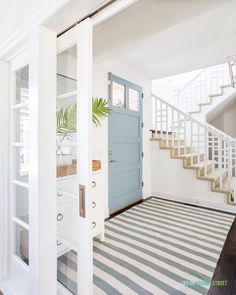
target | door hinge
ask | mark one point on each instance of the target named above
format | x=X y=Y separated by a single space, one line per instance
x=142 y=124
x=142 y=154
x=142 y=184
x=142 y=95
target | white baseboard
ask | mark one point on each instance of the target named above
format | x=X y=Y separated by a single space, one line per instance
x=193 y=201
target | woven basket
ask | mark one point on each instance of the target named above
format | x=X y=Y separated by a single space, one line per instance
x=67 y=170
x=97 y=165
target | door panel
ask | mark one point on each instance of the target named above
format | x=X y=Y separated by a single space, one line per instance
x=74 y=158
x=125 y=143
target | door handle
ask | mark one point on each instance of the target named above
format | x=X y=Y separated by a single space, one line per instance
x=112 y=161
x=82 y=201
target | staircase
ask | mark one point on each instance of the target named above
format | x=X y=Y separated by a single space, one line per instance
x=201 y=147
x=210 y=88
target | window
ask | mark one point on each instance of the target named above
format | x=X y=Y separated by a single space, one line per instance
x=125 y=94
x=20 y=167
x=134 y=97
x=118 y=95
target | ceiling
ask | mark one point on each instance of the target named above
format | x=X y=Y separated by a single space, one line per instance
x=72 y=12
x=18 y=18
x=165 y=37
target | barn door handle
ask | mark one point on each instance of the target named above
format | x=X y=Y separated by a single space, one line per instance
x=82 y=201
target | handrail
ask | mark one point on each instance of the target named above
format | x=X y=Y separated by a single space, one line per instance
x=203 y=138
x=206 y=125
x=232 y=68
x=224 y=135
x=206 y=82
x=177 y=110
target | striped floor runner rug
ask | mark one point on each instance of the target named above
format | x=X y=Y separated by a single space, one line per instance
x=157 y=247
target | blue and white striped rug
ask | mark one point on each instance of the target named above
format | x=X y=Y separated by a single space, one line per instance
x=157 y=247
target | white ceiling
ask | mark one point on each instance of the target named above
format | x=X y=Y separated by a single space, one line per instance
x=165 y=37
x=155 y=37
x=72 y=12
x=18 y=17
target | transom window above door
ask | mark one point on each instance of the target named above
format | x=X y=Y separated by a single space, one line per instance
x=124 y=94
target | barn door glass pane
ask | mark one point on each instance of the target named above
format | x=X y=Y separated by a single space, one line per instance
x=67 y=176
x=20 y=167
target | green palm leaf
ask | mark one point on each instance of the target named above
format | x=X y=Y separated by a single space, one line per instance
x=66 y=121
x=67 y=117
x=100 y=110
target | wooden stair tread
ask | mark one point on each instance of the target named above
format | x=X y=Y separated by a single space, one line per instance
x=213 y=175
x=202 y=164
x=189 y=155
x=227 y=185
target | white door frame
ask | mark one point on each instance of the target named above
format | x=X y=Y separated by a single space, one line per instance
x=4 y=169
x=40 y=53
x=18 y=271
x=42 y=162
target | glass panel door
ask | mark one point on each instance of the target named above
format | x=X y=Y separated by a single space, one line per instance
x=20 y=168
x=74 y=165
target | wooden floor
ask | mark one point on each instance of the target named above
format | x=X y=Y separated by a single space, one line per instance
x=226 y=266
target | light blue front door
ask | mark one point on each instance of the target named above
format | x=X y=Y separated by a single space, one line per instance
x=125 y=143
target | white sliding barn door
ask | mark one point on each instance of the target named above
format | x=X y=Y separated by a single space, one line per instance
x=42 y=162
x=74 y=160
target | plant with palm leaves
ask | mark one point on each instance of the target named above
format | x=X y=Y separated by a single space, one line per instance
x=67 y=119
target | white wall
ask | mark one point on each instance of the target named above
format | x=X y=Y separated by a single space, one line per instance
x=100 y=136
x=226 y=121
x=167 y=87
x=171 y=181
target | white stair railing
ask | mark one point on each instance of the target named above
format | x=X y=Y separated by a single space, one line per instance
x=210 y=145
x=207 y=82
x=232 y=69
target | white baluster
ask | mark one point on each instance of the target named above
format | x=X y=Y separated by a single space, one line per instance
x=229 y=160
x=191 y=136
x=206 y=150
x=167 y=123
x=161 y=118
x=213 y=151
x=220 y=158
x=173 y=131
x=155 y=117
x=185 y=136
x=198 y=143
x=178 y=133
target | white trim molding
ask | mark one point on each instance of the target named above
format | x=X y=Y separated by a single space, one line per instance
x=194 y=201
x=4 y=168
x=21 y=35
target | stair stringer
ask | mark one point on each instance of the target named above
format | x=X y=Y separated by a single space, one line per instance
x=170 y=177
